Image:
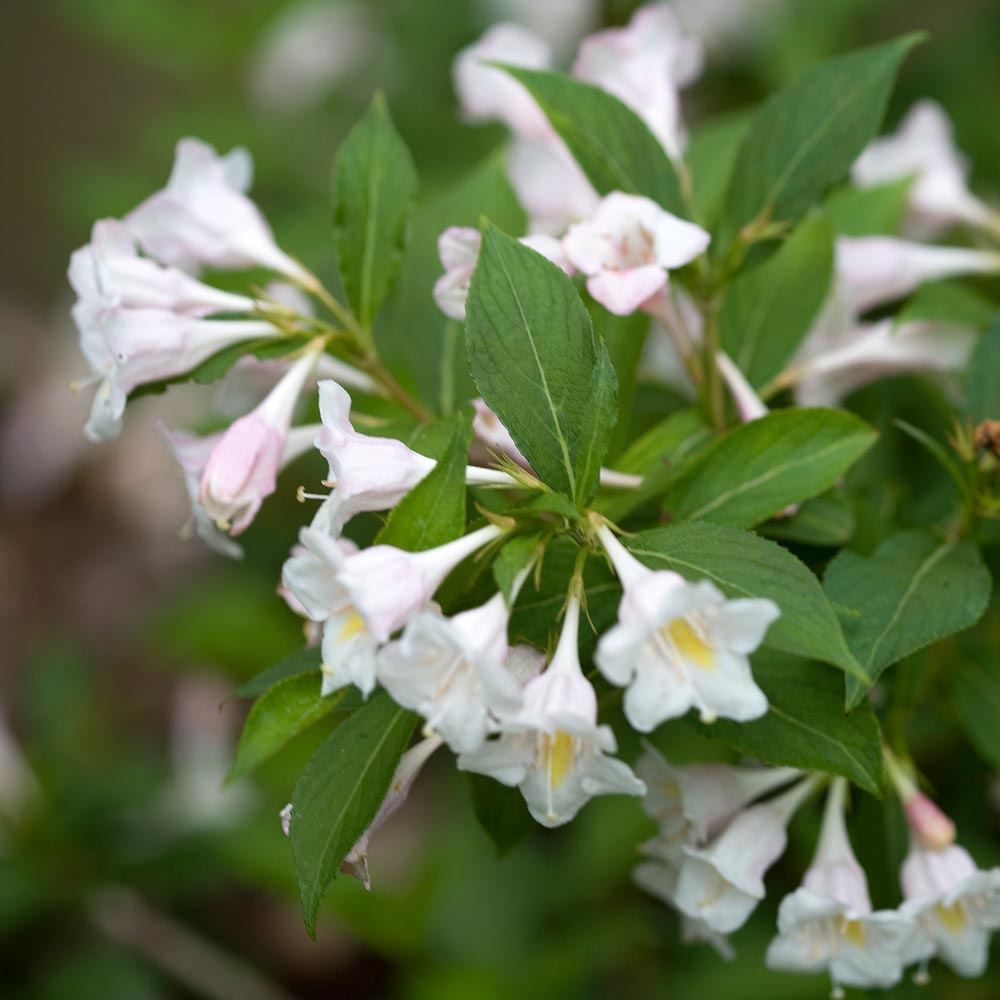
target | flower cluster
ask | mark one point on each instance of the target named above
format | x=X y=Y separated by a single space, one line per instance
x=533 y=715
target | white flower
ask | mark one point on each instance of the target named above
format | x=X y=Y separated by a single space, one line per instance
x=627 y=247
x=410 y=765
x=203 y=218
x=191 y=452
x=722 y=883
x=552 y=748
x=923 y=148
x=374 y=473
x=108 y=273
x=679 y=645
x=693 y=803
x=243 y=467
x=833 y=363
x=126 y=348
x=307 y=50
x=363 y=598
x=875 y=270
x=486 y=93
x=458 y=248
x=645 y=64
x=955 y=905
x=451 y=671
x=828 y=922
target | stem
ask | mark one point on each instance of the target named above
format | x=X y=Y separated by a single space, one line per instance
x=393 y=390
x=715 y=397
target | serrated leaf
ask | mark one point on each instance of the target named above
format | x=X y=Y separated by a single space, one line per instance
x=501 y=812
x=595 y=434
x=760 y=468
x=433 y=512
x=612 y=144
x=340 y=791
x=297 y=663
x=876 y=211
x=533 y=352
x=806 y=136
x=513 y=558
x=287 y=708
x=374 y=190
x=413 y=335
x=913 y=590
x=767 y=311
x=982 y=383
x=742 y=564
x=824 y=520
x=805 y=725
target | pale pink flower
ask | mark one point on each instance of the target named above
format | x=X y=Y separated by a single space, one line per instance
x=552 y=748
x=627 y=248
x=645 y=65
x=203 y=218
x=923 y=148
x=243 y=467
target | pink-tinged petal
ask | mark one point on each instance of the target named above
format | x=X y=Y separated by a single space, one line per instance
x=458 y=246
x=623 y=292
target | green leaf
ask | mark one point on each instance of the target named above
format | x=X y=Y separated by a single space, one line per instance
x=501 y=812
x=339 y=792
x=742 y=564
x=711 y=156
x=805 y=725
x=913 y=590
x=975 y=688
x=876 y=211
x=758 y=469
x=413 y=335
x=982 y=383
x=595 y=434
x=948 y=302
x=286 y=709
x=805 y=137
x=433 y=512
x=373 y=191
x=612 y=144
x=767 y=311
x=533 y=354
x=297 y=663
x=824 y=520
x=511 y=559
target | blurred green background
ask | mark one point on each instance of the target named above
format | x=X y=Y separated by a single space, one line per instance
x=124 y=871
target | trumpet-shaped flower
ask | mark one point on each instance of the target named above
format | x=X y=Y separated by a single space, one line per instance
x=486 y=93
x=954 y=905
x=627 y=247
x=645 y=64
x=458 y=248
x=923 y=148
x=451 y=671
x=409 y=767
x=203 y=217
x=126 y=348
x=693 y=803
x=243 y=467
x=828 y=922
x=108 y=273
x=373 y=473
x=552 y=748
x=834 y=363
x=192 y=452
x=362 y=599
x=875 y=270
x=722 y=883
x=679 y=645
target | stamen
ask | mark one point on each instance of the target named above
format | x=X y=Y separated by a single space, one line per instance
x=302 y=496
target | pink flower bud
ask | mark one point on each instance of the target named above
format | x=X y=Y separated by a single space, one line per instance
x=929 y=824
